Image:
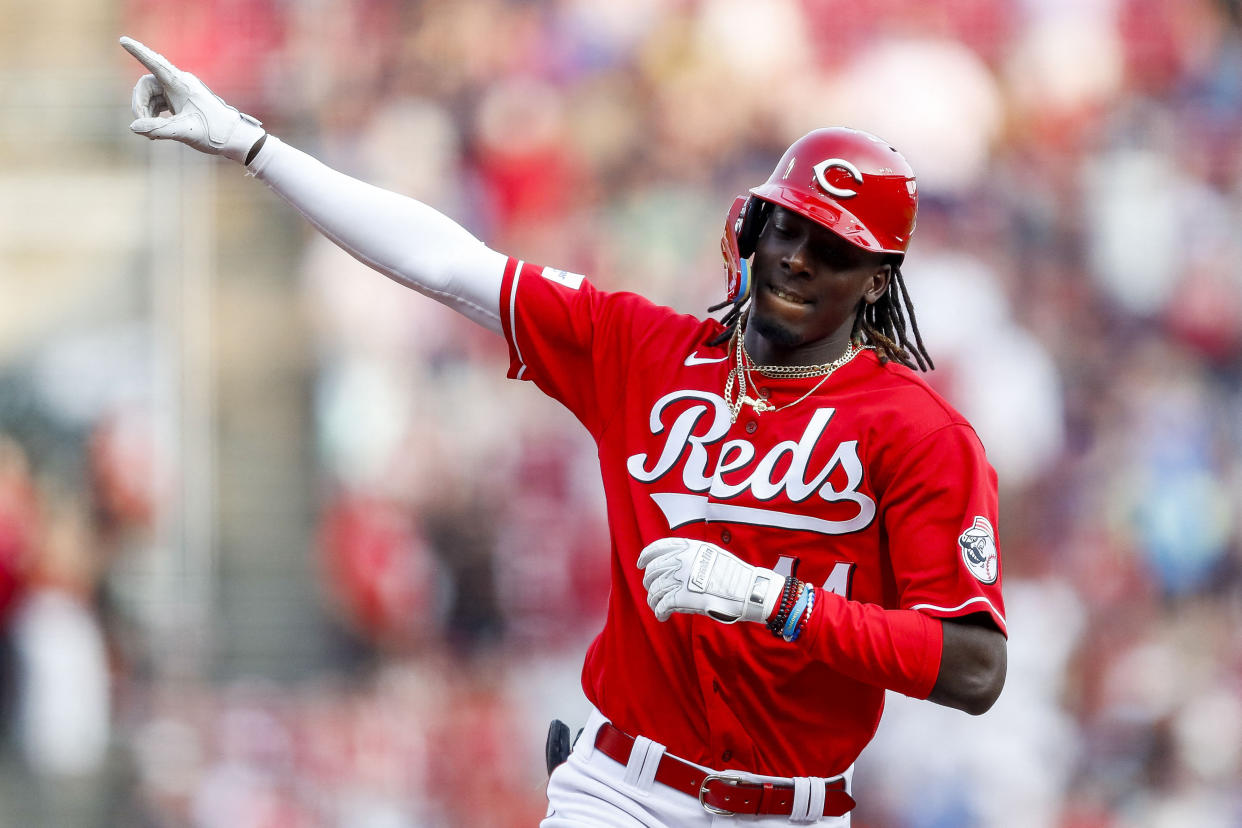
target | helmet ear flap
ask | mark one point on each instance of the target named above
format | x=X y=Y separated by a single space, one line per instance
x=743 y=225
x=737 y=270
x=750 y=224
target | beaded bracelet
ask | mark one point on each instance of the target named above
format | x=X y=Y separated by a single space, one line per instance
x=805 y=618
x=795 y=614
x=777 y=623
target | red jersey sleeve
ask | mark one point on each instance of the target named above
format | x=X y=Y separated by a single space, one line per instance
x=940 y=515
x=574 y=341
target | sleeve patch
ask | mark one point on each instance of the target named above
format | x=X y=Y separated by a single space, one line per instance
x=978 y=545
x=573 y=281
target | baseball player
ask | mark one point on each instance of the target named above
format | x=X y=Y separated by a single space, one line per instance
x=799 y=523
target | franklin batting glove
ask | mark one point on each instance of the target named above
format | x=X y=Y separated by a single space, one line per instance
x=199 y=118
x=683 y=575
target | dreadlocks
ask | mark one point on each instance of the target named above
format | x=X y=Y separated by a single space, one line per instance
x=730 y=321
x=882 y=325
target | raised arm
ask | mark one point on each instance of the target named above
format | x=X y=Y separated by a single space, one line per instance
x=400 y=237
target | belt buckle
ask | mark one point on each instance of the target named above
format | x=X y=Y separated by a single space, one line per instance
x=723 y=777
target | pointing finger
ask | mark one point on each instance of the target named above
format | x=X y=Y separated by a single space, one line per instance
x=164 y=71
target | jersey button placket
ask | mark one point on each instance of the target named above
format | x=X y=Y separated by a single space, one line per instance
x=751 y=427
x=726 y=536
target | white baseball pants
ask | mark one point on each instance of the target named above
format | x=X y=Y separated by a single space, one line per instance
x=591 y=790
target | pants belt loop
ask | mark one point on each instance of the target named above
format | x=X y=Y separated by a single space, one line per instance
x=645 y=757
x=655 y=752
x=808 y=802
x=801 y=800
x=815 y=807
x=584 y=746
x=809 y=796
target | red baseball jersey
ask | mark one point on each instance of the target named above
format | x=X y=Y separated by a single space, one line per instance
x=873 y=488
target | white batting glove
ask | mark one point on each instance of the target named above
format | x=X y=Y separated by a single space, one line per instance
x=199 y=117
x=683 y=575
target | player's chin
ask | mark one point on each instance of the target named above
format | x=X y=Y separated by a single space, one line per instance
x=775 y=328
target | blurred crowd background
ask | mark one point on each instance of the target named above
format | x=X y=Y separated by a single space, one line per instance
x=280 y=546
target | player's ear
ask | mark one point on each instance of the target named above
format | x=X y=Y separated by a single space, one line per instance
x=877 y=283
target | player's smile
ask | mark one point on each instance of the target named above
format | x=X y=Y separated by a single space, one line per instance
x=808 y=285
x=786 y=295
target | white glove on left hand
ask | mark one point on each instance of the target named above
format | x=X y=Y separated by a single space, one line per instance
x=683 y=575
x=200 y=119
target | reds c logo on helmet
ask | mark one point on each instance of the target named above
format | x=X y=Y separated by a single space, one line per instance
x=851 y=182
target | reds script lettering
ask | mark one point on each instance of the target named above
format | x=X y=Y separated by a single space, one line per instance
x=694 y=429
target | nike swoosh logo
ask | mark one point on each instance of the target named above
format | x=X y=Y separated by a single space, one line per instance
x=695 y=359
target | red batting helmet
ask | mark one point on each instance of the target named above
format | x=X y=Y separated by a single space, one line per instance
x=849 y=181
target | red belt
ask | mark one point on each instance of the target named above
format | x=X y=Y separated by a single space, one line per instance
x=722 y=793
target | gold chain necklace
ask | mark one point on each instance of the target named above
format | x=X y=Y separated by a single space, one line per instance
x=740 y=375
